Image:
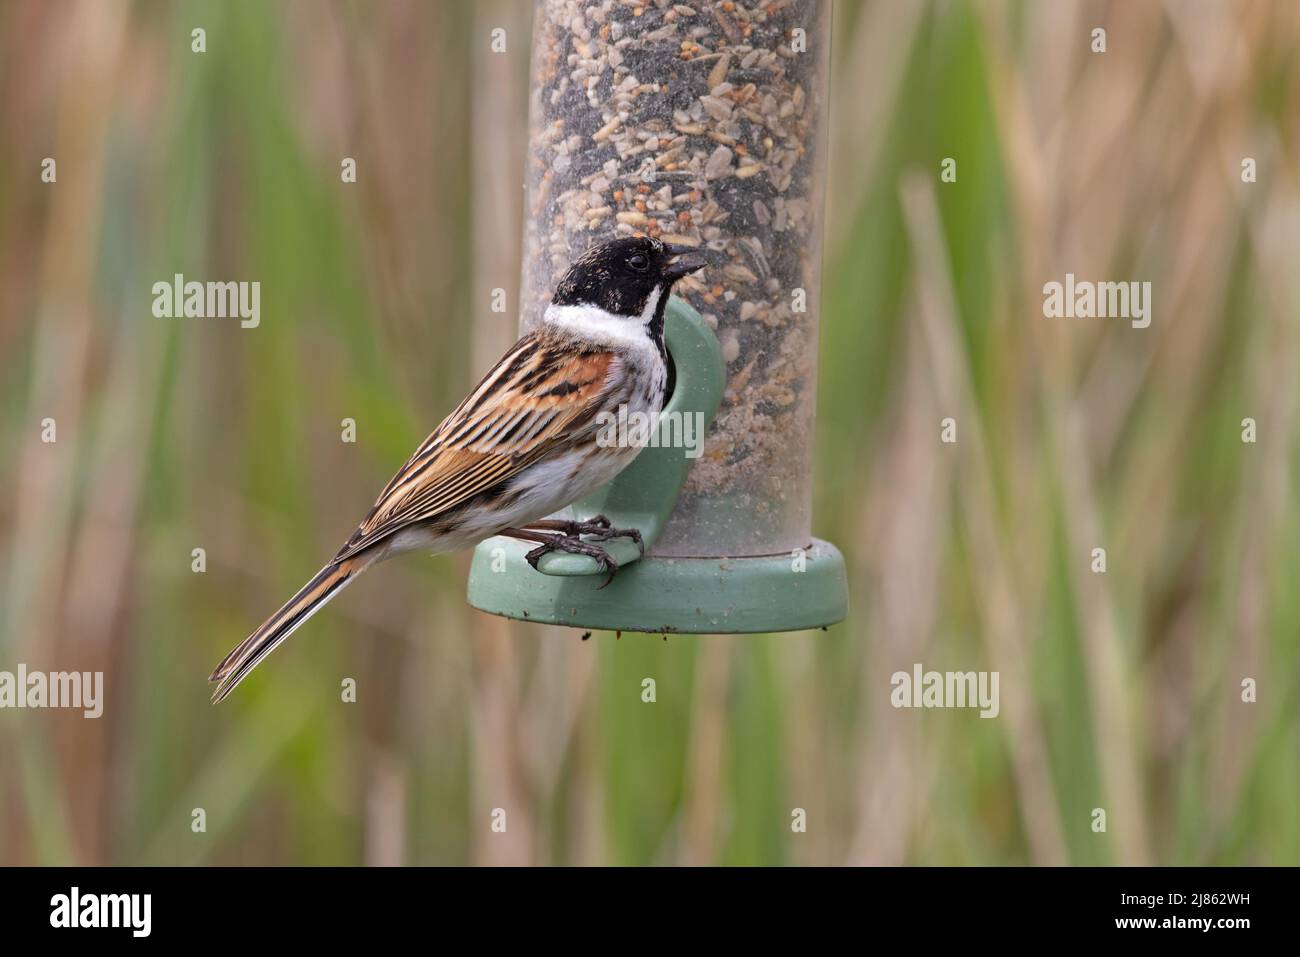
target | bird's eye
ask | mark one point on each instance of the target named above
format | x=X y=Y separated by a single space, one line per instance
x=639 y=262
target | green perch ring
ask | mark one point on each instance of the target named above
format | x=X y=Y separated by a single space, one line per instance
x=723 y=595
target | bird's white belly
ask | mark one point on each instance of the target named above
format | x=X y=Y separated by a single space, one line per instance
x=552 y=484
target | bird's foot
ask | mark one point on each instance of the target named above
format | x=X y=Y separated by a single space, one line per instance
x=574 y=545
x=598 y=528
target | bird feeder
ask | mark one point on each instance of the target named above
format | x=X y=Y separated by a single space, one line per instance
x=700 y=124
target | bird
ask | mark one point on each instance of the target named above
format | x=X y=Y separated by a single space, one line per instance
x=525 y=443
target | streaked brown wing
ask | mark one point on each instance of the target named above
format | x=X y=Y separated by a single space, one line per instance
x=539 y=394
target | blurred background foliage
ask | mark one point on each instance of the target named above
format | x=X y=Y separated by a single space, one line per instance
x=1120 y=691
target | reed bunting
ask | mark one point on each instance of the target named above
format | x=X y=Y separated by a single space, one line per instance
x=523 y=444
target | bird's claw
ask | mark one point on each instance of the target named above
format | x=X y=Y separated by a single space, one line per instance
x=574 y=546
x=598 y=528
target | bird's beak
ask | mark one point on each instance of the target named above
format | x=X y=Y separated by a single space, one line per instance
x=687 y=259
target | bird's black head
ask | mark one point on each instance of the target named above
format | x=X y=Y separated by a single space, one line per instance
x=621 y=276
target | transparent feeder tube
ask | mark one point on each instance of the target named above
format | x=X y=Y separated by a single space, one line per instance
x=699 y=123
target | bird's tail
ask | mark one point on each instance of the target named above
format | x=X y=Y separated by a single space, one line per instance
x=313 y=596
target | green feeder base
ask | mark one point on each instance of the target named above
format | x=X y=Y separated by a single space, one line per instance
x=785 y=592
x=697 y=596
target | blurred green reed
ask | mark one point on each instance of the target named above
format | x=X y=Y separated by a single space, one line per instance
x=1120 y=691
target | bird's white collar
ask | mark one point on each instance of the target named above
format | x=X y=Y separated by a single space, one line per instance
x=595 y=325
